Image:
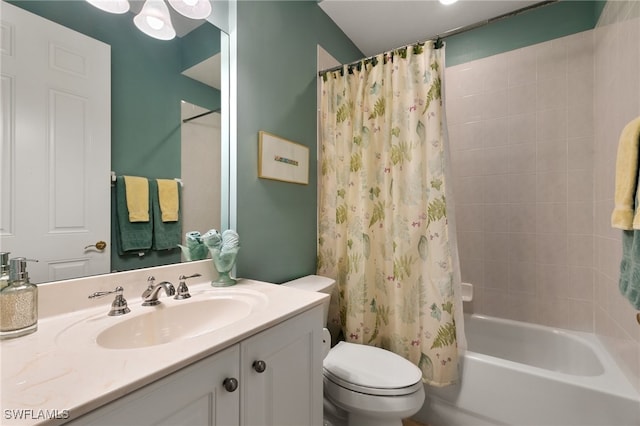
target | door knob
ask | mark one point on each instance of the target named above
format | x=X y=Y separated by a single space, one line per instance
x=100 y=245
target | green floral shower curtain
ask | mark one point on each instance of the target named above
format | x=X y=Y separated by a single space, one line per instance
x=383 y=230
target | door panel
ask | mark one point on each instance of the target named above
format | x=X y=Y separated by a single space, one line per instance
x=56 y=147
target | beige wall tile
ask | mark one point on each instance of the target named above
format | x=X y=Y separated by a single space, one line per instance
x=496 y=275
x=580 y=185
x=523 y=278
x=521 y=188
x=580 y=281
x=580 y=315
x=551 y=155
x=551 y=187
x=496 y=218
x=522 y=247
x=544 y=123
x=580 y=217
x=551 y=218
x=522 y=217
x=494 y=132
x=522 y=128
x=552 y=93
x=580 y=153
x=521 y=67
x=551 y=124
x=521 y=158
x=521 y=99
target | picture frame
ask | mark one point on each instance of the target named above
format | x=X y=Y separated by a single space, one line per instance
x=282 y=160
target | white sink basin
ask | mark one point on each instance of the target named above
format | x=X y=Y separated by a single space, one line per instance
x=172 y=320
x=165 y=324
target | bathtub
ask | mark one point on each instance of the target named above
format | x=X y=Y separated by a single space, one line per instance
x=516 y=373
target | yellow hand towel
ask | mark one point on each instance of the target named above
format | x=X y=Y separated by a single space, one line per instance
x=137 y=192
x=626 y=178
x=168 y=199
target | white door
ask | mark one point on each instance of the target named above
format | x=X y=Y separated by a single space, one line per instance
x=56 y=147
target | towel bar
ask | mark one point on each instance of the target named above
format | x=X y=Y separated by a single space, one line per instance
x=114 y=177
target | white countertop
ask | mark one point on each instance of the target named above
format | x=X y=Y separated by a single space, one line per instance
x=61 y=369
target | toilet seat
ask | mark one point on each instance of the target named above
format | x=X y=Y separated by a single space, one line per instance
x=370 y=370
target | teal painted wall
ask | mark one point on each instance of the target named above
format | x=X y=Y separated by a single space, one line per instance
x=531 y=27
x=146 y=90
x=277 y=93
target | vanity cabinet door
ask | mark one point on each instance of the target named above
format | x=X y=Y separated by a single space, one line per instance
x=281 y=370
x=193 y=396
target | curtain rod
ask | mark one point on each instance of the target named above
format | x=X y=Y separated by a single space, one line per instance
x=454 y=31
x=186 y=120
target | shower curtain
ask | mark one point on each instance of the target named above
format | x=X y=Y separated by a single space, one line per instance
x=384 y=214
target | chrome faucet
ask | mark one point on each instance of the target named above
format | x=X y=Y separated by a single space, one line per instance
x=150 y=295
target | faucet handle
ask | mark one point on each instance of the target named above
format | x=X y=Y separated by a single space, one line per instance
x=183 y=291
x=150 y=283
x=119 y=305
x=183 y=277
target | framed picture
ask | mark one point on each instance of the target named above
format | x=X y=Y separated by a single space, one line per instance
x=283 y=160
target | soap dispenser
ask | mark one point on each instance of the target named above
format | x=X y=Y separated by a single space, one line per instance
x=18 y=302
x=4 y=269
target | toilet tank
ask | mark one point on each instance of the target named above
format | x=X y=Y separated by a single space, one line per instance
x=315 y=283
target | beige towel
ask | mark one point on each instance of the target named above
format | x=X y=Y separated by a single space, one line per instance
x=168 y=199
x=626 y=178
x=137 y=192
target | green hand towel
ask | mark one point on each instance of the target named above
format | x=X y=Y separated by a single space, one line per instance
x=130 y=236
x=630 y=267
x=166 y=235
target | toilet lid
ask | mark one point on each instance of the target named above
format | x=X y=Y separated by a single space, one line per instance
x=356 y=366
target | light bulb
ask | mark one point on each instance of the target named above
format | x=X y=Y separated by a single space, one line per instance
x=154 y=22
x=448 y=2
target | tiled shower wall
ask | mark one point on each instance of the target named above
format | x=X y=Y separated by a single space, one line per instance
x=617 y=101
x=521 y=133
x=534 y=136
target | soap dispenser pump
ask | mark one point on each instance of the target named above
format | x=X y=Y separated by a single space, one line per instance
x=4 y=269
x=18 y=302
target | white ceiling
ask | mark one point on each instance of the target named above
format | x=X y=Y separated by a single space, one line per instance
x=377 y=26
x=207 y=71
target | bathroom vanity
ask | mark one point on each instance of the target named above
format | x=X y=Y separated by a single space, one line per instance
x=244 y=355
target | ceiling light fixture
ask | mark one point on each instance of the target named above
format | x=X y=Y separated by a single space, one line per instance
x=447 y=2
x=194 y=9
x=155 y=21
x=111 y=6
x=154 y=18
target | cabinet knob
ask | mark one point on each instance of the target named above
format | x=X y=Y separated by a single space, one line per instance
x=259 y=366
x=230 y=384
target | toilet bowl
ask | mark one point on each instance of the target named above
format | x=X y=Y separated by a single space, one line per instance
x=364 y=385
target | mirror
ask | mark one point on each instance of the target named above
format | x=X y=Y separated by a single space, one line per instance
x=148 y=88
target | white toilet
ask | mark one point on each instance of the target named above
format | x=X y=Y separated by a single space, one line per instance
x=364 y=385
